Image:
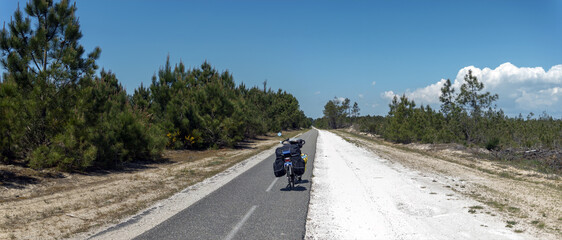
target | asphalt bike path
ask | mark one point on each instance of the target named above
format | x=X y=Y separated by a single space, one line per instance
x=254 y=205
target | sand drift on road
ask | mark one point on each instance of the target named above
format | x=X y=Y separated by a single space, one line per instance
x=358 y=195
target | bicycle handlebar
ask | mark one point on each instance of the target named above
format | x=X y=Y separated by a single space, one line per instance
x=296 y=141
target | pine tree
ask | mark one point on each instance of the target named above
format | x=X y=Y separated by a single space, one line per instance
x=473 y=103
x=447 y=99
x=470 y=98
x=400 y=120
x=11 y=124
x=344 y=112
x=141 y=98
x=331 y=113
x=67 y=117
x=451 y=112
x=42 y=56
x=354 y=112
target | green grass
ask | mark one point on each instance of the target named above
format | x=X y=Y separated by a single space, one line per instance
x=472 y=209
x=505 y=175
x=186 y=172
x=214 y=163
x=510 y=224
x=513 y=209
x=541 y=225
x=496 y=205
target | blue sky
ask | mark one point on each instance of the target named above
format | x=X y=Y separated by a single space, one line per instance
x=317 y=50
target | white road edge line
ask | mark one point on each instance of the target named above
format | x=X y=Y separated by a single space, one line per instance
x=271 y=185
x=236 y=228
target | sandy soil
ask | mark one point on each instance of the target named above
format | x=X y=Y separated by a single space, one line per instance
x=49 y=205
x=420 y=192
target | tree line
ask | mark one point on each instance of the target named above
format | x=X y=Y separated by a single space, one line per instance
x=202 y=108
x=56 y=111
x=467 y=117
x=338 y=114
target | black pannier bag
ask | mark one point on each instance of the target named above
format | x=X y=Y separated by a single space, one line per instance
x=292 y=150
x=298 y=164
x=278 y=168
x=278 y=165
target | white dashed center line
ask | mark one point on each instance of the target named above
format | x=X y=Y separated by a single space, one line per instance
x=236 y=228
x=271 y=185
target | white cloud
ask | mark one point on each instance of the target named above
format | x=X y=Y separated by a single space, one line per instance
x=508 y=73
x=374 y=83
x=317 y=92
x=427 y=95
x=361 y=96
x=521 y=89
x=541 y=100
x=388 y=95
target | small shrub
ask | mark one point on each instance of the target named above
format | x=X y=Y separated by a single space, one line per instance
x=513 y=209
x=493 y=144
x=535 y=222
x=541 y=225
x=496 y=205
x=505 y=175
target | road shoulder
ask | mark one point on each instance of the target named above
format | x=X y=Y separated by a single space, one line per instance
x=451 y=189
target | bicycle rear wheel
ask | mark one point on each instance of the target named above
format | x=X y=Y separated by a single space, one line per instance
x=291 y=177
x=292 y=181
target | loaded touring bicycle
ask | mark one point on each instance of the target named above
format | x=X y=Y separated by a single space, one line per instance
x=290 y=161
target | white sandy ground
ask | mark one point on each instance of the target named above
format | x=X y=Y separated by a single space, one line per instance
x=152 y=216
x=358 y=195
